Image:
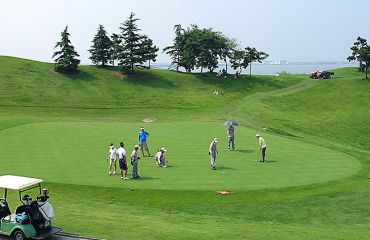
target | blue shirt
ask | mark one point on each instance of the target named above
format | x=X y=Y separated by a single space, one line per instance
x=142 y=136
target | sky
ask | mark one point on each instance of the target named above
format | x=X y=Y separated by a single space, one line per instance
x=292 y=30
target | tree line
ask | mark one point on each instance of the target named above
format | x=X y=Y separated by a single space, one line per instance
x=192 y=48
x=130 y=49
x=361 y=53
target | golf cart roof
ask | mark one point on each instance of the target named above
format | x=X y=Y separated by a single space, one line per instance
x=18 y=183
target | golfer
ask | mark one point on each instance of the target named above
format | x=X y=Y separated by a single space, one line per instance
x=142 y=141
x=262 y=145
x=230 y=138
x=135 y=162
x=112 y=157
x=213 y=153
x=160 y=158
x=121 y=153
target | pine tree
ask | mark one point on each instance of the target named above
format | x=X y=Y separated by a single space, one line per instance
x=66 y=61
x=149 y=50
x=131 y=53
x=115 y=48
x=101 y=48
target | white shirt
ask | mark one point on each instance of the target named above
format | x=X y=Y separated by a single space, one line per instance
x=112 y=153
x=121 y=153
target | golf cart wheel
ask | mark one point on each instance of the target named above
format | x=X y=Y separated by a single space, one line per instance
x=19 y=235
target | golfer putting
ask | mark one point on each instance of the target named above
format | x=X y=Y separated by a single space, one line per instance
x=262 y=146
x=213 y=151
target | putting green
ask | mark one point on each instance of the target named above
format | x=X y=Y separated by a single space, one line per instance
x=75 y=153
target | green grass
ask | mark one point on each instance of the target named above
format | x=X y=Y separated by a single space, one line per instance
x=58 y=127
x=79 y=150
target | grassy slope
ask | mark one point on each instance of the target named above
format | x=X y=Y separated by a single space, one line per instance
x=335 y=210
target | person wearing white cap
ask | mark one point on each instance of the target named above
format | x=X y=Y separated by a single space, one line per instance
x=135 y=162
x=112 y=157
x=213 y=151
x=142 y=141
x=160 y=159
x=262 y=145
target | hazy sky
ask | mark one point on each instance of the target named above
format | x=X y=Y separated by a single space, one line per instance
x=286 y=29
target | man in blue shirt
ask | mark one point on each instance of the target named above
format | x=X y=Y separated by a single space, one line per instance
x=142 y=141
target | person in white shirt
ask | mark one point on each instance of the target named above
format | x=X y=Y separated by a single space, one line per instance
x=213 y=151
x=121 y=153
x=160 y=158
x=112 y=157
x=134 y=162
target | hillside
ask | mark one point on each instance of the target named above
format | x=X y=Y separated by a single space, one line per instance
x=336 y=109
x=315 y=187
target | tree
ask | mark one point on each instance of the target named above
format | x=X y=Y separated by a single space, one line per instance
x=101 y=48
x=130 y=51
x=364 y=58
x=149 y=50
x=226 y=49
x=174 y=50
x=356 y=48
x=66 y=60
x=252 y=55
x=238 y=60
x=115 y=48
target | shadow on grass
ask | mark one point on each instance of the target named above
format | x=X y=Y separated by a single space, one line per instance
x=230 y=84
x=144 y=178
x=225 y=168
x=149 y=79
x=80 y=75
x=246 y=151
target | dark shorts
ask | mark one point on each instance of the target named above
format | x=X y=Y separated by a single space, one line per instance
x=122 y=164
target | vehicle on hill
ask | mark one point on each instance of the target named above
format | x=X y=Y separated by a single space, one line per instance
x=31 y=219
x=321 y=74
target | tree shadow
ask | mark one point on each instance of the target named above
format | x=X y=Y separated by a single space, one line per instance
x=149 y=79
x=80 y=75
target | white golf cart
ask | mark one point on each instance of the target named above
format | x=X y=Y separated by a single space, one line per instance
x=32 y=219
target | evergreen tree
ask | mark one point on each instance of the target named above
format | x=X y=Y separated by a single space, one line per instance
x=115 y=48
x=131 y=52
x=66 y=58
x=149 y=50
x=101 y=48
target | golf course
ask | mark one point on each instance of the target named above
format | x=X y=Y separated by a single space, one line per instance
x=314 y=184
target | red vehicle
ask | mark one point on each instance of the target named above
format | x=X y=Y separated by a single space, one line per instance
x=319 y=74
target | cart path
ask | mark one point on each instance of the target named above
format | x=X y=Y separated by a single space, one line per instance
x=60 y=236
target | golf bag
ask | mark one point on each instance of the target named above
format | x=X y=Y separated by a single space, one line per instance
x=4 y=209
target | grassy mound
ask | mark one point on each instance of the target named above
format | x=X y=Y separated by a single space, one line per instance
x=57 y=127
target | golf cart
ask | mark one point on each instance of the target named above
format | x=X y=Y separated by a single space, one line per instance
x=319 y=74
x=32 y=219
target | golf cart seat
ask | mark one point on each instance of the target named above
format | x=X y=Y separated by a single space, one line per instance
x=20 y=209
x=4 y=209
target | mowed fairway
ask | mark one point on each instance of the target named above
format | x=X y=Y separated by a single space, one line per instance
x=75 y=153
